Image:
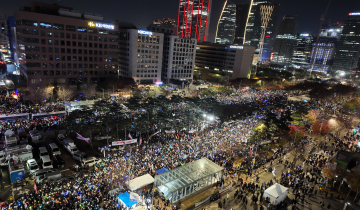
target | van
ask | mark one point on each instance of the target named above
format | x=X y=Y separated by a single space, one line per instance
x=35 y=136
x=79 y=155
x=46 y=162
x=54 y=149
x=49 y=176
x=11 y=141
x=43 y=152
x=40 y=174
x=61 y=138
x=70 y=146
x=89 y=162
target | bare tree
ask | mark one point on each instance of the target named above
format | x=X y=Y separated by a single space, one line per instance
x=90 y=92
x=40 y=93
x=65 y=93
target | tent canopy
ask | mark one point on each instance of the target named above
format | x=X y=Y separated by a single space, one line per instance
x=125 y=198
x=140 y=182
x=276 y=193
x=160 y=171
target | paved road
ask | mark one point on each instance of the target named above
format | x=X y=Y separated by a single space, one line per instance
x=49 y=136
x=312 y=203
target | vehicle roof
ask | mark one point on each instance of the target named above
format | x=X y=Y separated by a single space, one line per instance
x=79 y=153
x=90 y=159
x=31 y=161
x=42 y=148
x=43 y=170
x=53 y=145
x=45 y=158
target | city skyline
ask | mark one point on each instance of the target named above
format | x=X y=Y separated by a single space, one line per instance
x=308 y=21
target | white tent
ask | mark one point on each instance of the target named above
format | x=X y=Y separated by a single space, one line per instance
x=140 y=182
x=276 y=193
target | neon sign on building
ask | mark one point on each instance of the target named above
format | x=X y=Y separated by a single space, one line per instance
x=101 y=25
x=145 y=32
x=354 y=13
x=236 y=47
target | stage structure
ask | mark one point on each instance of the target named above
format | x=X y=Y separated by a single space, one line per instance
x=188 y=179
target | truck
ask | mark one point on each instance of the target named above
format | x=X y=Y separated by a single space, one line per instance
x=17 y=172
x=35 y=136
x=11 y=141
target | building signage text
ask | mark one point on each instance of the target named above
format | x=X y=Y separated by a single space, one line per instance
x=145 y=32
x=101 y=25
x=236 y=47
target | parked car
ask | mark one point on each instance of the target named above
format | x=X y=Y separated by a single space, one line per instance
x=43 y=152
x=53 y=149
x=58 y=161
x=79 y=155
x=70 y=146
x=40 y=174
x=60 y=138
x=89 y=162
x=46 y=162
x=32 y=165
x=35 y=136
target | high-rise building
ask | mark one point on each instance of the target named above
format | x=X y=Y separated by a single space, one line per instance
x=194 y=19
x=57 y=44
x=166 y=26
x=270 y=35
x=285 y=40
x=242 y=12
x=302 y=51
x=178 y=58
x=231 y=61
x=225 y=32
x=252 y=24
x=4 y=39
x=140 y=55
x=323 y=54
x=348 y=50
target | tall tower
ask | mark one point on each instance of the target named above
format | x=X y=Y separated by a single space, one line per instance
x=285 y=40
x=225 y=32
x=194 y=19
x=348 y=50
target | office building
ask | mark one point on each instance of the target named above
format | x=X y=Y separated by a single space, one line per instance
x=225 y=32
x=178 y=58
x=302 y=51
x=55 y=44
x=242 y=12
x=166 y=26
x=270 y=35
x=140 y=55
x=231 y=61
x=194 y=19
x=285 y=40
x=348 y=50
x=4 y=39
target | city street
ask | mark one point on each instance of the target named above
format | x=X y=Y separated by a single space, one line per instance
x=312 y=203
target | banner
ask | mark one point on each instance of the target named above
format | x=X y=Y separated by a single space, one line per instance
x=119 y=143
x=169 y=131
x=102 y=137
x=154 y=134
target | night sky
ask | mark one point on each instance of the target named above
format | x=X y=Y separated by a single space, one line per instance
x=143 y=12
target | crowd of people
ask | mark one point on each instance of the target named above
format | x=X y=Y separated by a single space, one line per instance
x=221 y=144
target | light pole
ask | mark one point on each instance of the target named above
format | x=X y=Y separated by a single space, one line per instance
x=103 y=92
x=52 y=91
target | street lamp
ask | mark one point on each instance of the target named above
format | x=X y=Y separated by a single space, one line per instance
x=103 y=92
x=52 y=91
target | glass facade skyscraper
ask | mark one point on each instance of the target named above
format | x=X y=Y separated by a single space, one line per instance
x=194 y=19
x=225 y=32
x=285 y=40
x=348 y=51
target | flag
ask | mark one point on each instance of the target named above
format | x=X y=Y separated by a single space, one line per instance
x=82 y=138
x=132 y=126
x=130 y=136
